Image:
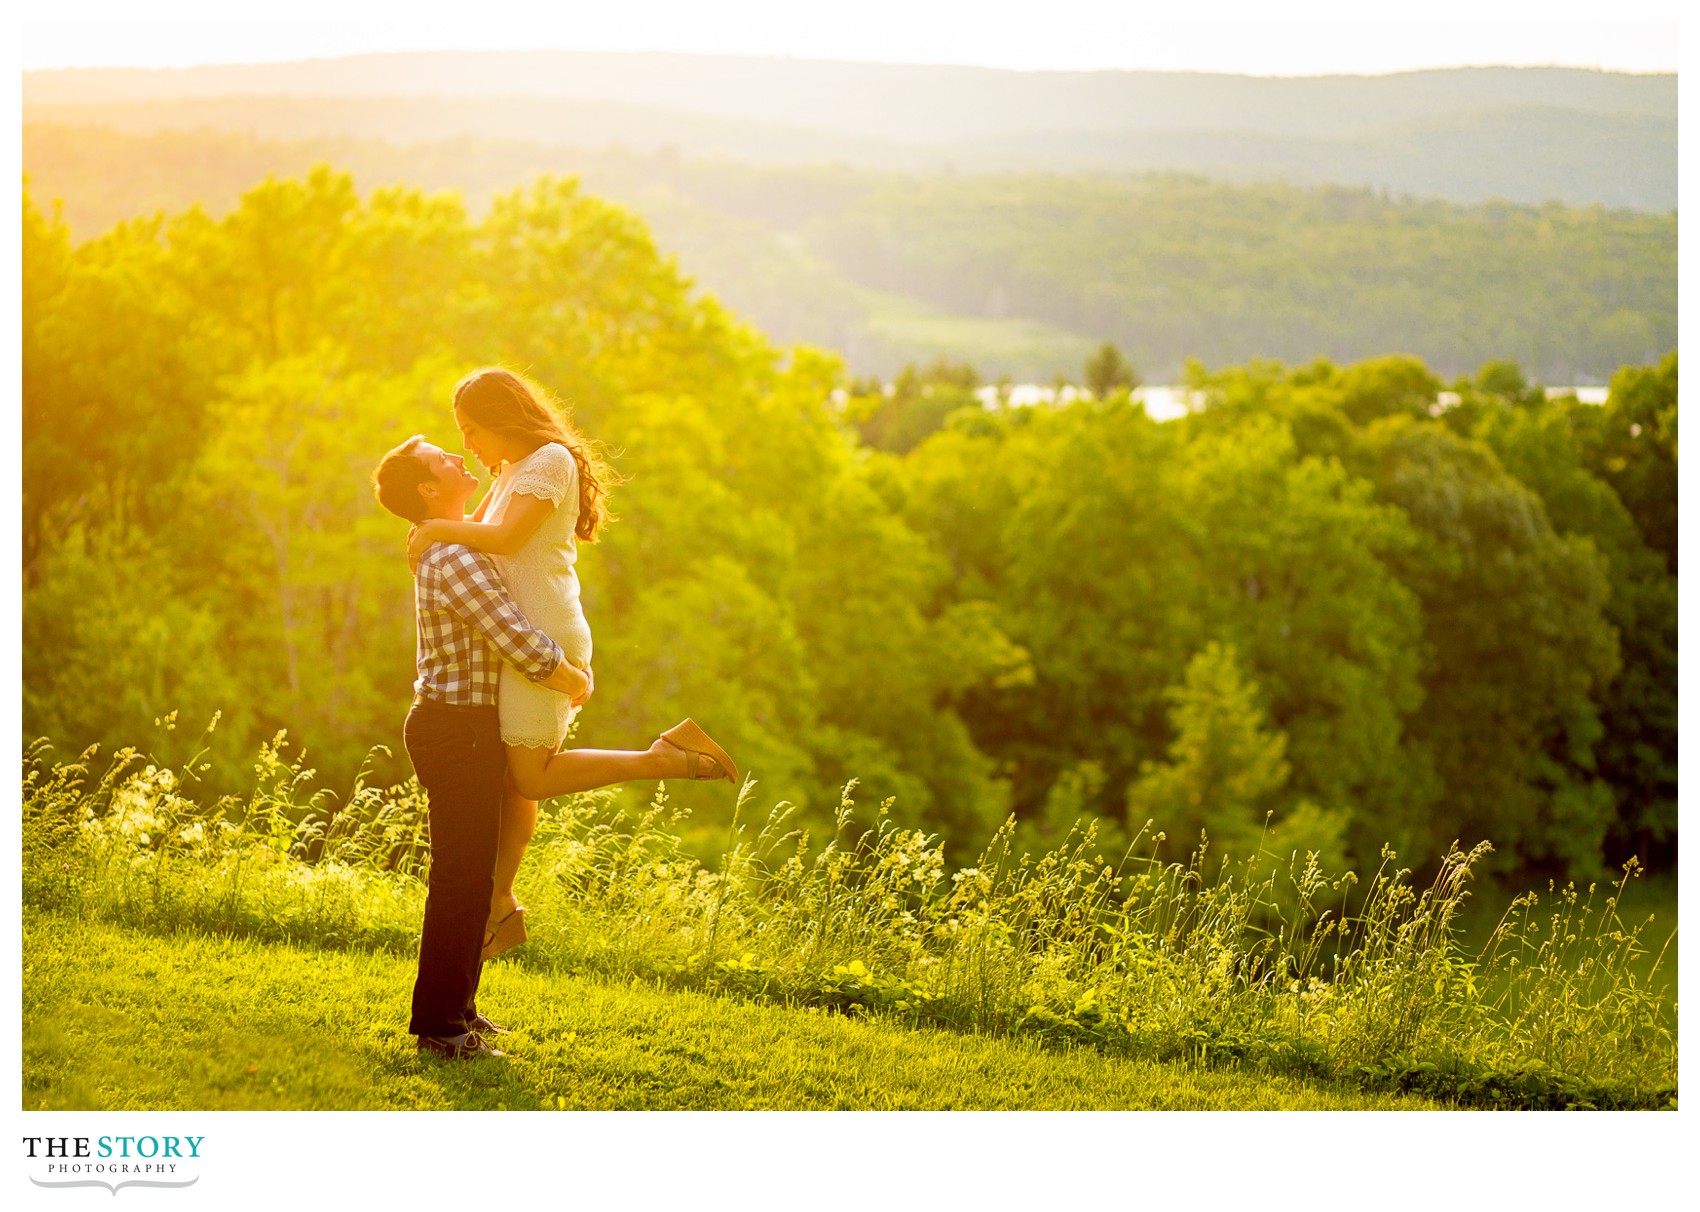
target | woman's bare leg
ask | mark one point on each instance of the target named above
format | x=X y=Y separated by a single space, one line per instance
x=540 y=774
x=519 y=822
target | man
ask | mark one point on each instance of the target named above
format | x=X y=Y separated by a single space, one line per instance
x=466 y=624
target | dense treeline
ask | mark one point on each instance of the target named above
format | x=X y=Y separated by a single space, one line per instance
x=204 y=400
x=1168 y=267
x=1323 y=596
x=1173 y=267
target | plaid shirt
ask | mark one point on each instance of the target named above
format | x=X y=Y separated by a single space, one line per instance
x=467 y=625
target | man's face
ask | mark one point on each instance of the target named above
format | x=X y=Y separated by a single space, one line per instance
x=454 y=485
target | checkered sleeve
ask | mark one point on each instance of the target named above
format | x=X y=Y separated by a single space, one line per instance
x=475 y=593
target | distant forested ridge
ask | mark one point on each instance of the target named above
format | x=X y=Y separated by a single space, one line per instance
x=1018 y=274
x=1328 y=604
x=1467 y=134
x=889 y=101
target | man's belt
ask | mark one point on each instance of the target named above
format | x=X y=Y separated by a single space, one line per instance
x=420 y=700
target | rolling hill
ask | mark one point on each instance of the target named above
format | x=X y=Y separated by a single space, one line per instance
x=1018 y=273
x=1523 y=134
x=1014 y=219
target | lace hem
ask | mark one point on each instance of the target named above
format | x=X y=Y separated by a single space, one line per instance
x=533 y=741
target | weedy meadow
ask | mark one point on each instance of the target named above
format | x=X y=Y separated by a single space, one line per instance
x=1269 y=963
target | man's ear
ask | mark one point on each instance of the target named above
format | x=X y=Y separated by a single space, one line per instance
x=430 y=491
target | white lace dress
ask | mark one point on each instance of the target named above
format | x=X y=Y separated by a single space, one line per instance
x=544 y=585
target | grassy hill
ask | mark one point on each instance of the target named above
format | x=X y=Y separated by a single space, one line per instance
x=181 y=955
x=202 y=1022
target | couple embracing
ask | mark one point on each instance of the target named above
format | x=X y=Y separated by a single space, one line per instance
x=503 y=664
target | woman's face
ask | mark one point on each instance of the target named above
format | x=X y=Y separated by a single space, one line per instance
x=479 y=442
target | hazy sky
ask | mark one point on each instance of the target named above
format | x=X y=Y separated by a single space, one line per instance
x=1313 y=38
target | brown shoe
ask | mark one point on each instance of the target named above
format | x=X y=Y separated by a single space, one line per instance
x=472 y=1046
x=698 y=745
x=509 y=932
x=485 y=1026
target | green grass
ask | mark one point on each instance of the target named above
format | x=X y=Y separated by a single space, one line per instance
x=1286 y=973
x=192 y=1021
x=994 y=345
x=1651 y=900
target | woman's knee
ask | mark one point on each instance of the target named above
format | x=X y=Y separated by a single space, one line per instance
x=525 y=785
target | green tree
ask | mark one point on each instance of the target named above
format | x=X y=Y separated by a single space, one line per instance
x=1518 y=647
x=114 y=380
x=1637 y=755
x=1107 y=370
x=114 y=637
x=1395 y=385
x=1630 y=443
x=993 y=612
x=277 y=275
x=1504 y=378
x=307 y=571
x=1226 y=767
x=918 y=404
x=1115 y=548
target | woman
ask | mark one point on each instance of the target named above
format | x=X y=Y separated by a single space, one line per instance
x=548 y=495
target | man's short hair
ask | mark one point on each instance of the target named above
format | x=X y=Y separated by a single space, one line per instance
x=397 y=479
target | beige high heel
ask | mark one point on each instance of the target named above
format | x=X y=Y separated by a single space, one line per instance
x=509 y=932
x=696 y=743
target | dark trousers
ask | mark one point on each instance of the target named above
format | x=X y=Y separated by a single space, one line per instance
x=457 y=754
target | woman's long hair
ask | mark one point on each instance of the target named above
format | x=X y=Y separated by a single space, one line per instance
x=504 y=403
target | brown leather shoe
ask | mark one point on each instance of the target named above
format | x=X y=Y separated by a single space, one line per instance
x=485 y=1026
x=467 y=1049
